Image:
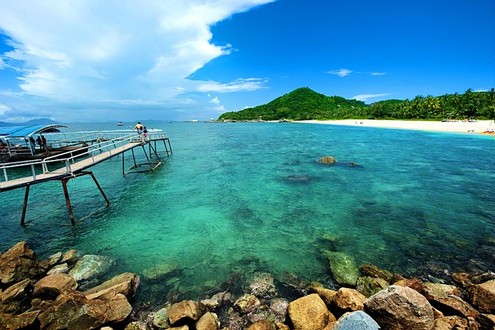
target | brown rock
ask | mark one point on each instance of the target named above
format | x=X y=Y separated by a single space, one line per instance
x=483 y=296
x=399 y=308
x=324 y=293
x=440 y=290
x=21 y=321
x=18 y=263
x=50 y=261
x=262 y=325
x=70 y=257
x=281 y=326
x=136 y=325
x=327 y=160
x=374 y=271
x=450 y=322
x=209 y=321
x=118 y=308
x=186 y=309
x=16 y=298
x=483 y=277
x=463 y=279
x=125 y=283
x=49 y=287
x=412 y=283
x=349 y=299
x=309 y=313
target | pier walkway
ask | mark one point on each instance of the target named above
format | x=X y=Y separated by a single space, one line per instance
x=76 y=163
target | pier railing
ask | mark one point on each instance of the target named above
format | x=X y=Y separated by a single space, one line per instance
x=111 y=143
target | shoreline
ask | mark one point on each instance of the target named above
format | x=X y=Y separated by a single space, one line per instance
x=476 y=127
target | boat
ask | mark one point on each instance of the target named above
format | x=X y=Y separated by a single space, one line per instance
x=23 y=143
x=120 y=123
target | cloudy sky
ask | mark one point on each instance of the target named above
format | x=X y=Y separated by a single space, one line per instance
x=92 y=60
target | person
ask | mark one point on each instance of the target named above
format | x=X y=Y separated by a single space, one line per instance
x=145 y=133
x=2 y=145
x=139 y=128
x=32 y=145
x=43 y=142
x=39 y=142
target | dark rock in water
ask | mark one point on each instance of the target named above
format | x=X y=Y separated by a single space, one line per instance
x=298 y=178
x=89 y=266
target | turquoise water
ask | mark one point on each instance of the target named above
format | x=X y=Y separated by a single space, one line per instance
x=242 y=197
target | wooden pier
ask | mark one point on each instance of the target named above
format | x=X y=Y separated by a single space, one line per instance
x=76 y=163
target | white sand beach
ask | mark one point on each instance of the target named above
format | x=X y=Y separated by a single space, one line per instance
x=472 y=127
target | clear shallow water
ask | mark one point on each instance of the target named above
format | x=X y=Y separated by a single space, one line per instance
x=236 y=198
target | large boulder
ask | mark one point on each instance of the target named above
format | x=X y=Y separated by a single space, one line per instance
x=400 y=308
x=17 y=264
x=125 y=283
x=16 y=298
x=209 y=321
x=49 y=287
x=309 y=313
x=343 y=268
x=356 y=320
x=483 y=296
x=446 y=299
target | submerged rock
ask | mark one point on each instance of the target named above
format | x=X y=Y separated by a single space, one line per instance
x=262 y=285
x=343 y=267
x=89 y=266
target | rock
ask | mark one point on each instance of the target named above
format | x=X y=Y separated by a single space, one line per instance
x=446 y=298
x=487 y=321
x=327 y=160
x=463 y=279
x=16 y=298
x=59 y=269
x=483 y=296
x=25 y=320
x=70 y=257
x=356 y=320
x=159 y=271
x=160 y=319
x=125 y=283
x=50 y=261
x=484 y=277
x=309 y=313
x=349 y=299
x=279 y=307
x=17 y=264
x=343 y=268
x=209 y=321
x=262 y=325
x=186 y=309
x=49 y=287
x=281 y=326
x=247 y=303
x=216 y=299
x=412 y=283
x=374 y=271
x=118 y=308
x=399 y=308
x=368 y=286
x=326 y=294
x=89 y=266
x=450 y=322
x=262 y=285
x=136 y=325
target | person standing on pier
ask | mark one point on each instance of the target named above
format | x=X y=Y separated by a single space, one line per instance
x=139 y=128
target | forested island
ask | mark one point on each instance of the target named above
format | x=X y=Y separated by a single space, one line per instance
x=305 y=104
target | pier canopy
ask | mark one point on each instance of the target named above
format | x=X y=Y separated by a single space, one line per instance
x=26 y=131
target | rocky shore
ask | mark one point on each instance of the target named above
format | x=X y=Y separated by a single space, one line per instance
x=60 y=293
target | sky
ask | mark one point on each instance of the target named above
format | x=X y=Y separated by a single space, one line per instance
x=129 y=60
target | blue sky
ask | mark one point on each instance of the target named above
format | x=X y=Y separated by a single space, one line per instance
x=91 y=60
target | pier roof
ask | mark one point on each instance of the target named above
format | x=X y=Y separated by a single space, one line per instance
x=22 y=131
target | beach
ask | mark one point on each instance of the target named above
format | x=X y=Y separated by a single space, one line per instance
x=476 y=127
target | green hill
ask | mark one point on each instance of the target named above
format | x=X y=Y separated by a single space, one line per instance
x=301 y=104
x=304 y=103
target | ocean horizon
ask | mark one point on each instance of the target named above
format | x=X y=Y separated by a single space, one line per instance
x=237 y=198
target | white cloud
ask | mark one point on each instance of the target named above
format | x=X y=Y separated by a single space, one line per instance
x=366 y=97
x=4 y=109
x=117 y=51
x=341 y=72
x=378 y=73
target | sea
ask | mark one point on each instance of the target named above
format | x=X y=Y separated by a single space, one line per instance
x=238 y=198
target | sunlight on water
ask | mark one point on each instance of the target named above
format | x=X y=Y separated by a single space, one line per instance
x=245 y=197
